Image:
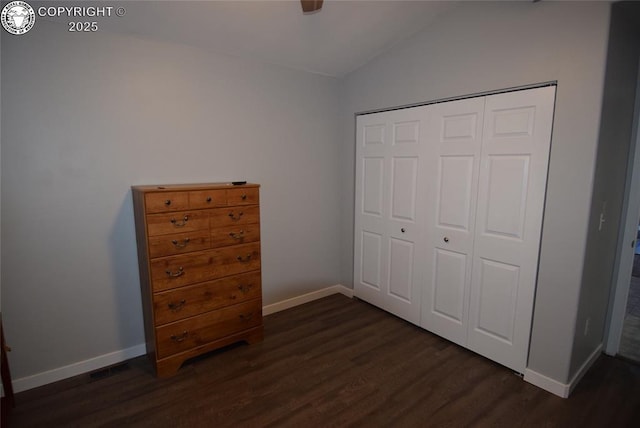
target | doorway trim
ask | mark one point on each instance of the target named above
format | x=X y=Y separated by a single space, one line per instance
x=626 y=237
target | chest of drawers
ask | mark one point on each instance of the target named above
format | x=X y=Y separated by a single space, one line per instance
x=199 y=259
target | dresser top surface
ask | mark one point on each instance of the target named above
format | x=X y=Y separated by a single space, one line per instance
x=189 y=186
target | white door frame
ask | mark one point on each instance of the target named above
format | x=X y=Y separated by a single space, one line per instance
x=627 y=235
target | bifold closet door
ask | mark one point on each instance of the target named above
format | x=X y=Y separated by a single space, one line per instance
x=389 y=200
x=452 y=159
x=512 y=184
x=448 y=216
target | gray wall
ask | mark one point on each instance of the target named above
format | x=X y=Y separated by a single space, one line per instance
x=85 y=116
x=484 y=46
x=610 y=176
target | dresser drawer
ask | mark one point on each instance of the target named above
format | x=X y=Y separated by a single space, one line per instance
x=207 y=199
x=233 y=216
x=185 y=221
x=167 y=245
x=202 y=329
x=176 y=271
x=166 y=201
x=243 y=196
x=184 y=302
x=223 y=236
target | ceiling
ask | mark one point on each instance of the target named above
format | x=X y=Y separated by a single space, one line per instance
x=334 y=41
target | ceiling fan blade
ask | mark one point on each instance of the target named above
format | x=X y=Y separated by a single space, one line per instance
x=311 y=5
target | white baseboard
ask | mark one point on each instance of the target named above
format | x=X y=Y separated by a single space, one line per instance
x=558 y=388
x=306 y=298
x=75 y=369
x=550 y=385
x=116 y=357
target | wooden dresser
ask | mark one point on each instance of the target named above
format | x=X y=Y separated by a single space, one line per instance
x=199 y=257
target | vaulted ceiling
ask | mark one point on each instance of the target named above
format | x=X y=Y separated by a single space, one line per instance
x=334 y=41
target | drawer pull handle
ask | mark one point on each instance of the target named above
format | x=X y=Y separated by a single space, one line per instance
x=177 y=244
x=244 y=259
x=244 y=288
x=175 y=307
x=234 y=217
x=180 y=337
x=184 y=221
x=167 y=202
x=180 y=272
x=238 y=236
x=209 y=199
x=243 y=197
x=247 y=317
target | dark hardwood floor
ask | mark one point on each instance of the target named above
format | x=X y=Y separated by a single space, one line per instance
x=630 y=339
x=334 y=362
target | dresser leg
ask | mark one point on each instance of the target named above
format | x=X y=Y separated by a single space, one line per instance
x=255 y=336
x=168 y=367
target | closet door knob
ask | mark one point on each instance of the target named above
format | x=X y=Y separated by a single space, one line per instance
x=402 y=230
x=446 y=239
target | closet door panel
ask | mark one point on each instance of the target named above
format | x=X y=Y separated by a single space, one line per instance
x=450 y=274
x=507 y=190
x=403 y=188
x=456 y=175
x=451 y=159
x=401 y=269
x=388 y=204
x=403 y=273
x=497 y=291
x=372 y=185
x=371 y=251
x=512 y=182
x=371 y=235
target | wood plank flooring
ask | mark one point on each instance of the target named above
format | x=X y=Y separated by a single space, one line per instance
x=630 y=340
x=331 y=363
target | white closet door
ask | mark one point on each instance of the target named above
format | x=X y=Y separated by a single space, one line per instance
x=512 y=183
x=388 y=204
x=452 y=160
